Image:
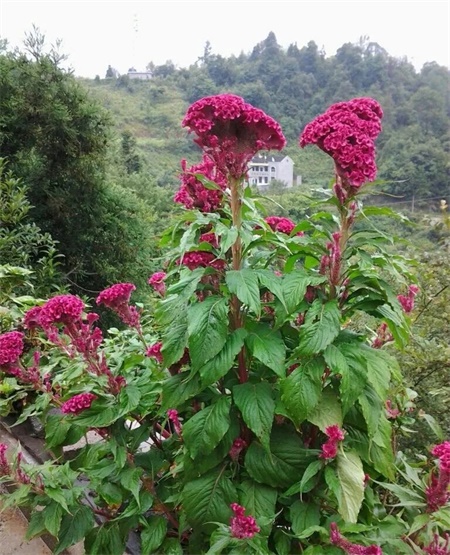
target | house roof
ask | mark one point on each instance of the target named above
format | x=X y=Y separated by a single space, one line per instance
x=266 y=158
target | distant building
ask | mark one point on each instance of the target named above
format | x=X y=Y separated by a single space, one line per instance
x=142 y=75
x=265 y=168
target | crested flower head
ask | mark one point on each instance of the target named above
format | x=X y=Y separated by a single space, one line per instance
x=11 y=347
x=78 y=403
x=242 y=527
x=62 y=309
x=156 y=280
x=117 y=298
x=351 y=548
x=231 y=132
x=346 y=131
x=283 y=225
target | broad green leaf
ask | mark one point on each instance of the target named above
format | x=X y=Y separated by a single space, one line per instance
x=259 y=500
x=327 y=412
x=273 y=283
x=36 y=525
x=317 y=333
x=244 y=284
x=53 y=514
x=130 y=479
x=354 y=377
x=153 y=534
x=207 y=499
x=174 y=339
x=257 y=406
x=351 y=479
x=267 y=345
x=220 y=539
x=206 y=428
x=105 y=539
x=56 y=429
x=303 y=516
x=335 y=360
x=372 y=409
x=129 y=398
x=178 y=389
x=301 y=390
x=218 y=366
x=300 y=487
x=74 y=527
x=294 y=289
x=207 y=329
x=110 y=493
x=286 y=461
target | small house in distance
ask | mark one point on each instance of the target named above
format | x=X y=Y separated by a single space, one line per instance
x=142 y=75
x=264 y=168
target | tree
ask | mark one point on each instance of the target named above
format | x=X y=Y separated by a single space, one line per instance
x=130 y=157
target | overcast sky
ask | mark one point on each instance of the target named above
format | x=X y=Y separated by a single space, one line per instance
x=96 y=33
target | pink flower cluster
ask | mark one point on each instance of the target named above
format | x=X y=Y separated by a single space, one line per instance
x=391 y=412
x=11 y=347
x=351 y=548
x=78 y=403
x=407 y=301
x=330 y=447
x=210 y=238
x=437 y=492
x=172 y=415
x=283 y=225
x=193 y=194
x=346 y=131
x=156 y=280
x=5 y=468
x=331 y=262
x=154 y=351
x=230 y=131
x=202 y=259
x=437 y=548
x=239 y=445
x=383 y=336
x=242 y=527
x=117 y=298
x=62 y=309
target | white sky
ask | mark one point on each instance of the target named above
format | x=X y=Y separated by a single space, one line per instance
x=123 y=33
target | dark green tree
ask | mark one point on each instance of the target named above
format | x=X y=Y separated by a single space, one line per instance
x=130 y=157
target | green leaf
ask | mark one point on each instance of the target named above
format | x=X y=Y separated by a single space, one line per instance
x=294 y=289
x=56 y=429
x=220 y=539
x=351 y=479
x=178 y=389
x=327 y=412
x=272 y=283
x=74 y=527
x=267 y=345
x=285 y=462
x=319 y=331
x=304 y=485
x=259 y=500
x=218 y=366
x=130 y=479
x=244 y=284
x=36 y=525
x=372 y=409
x=335 y=360
x=129 y=398
x=105 y=539
x=153 y=534
x=303 y=516
x=354 y=377
x=301 y=390
x=53 y=514
x=206 y=428
x=257 y=406
x=110 y=493
x=174 y=340
x=207 y=499
x=58 y=496
x=207 y=329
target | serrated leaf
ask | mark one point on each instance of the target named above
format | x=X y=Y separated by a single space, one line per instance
x=153 y=534
x=294 y=289
x=354 y=377
x=303 y=516
x=105 y=539
x=203 y=431
x=53 y=514
x=267 y=345
x=272 y=283
x=371 y=408
x=318 y=332
x=244 y=284
x=327 y=412
x=257 y=406
x=207 y=329
x=218 y=366
x=259 y=500
x=351 y=479
x=130 y=479
x=178 y=389
x=74 y=527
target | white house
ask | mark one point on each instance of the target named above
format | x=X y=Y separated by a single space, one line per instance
x=142 y=75
x=264 y=168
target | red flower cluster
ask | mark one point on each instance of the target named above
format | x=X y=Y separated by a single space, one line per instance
x=156 y=280
x=154 y=351
x=242 y=527
x=62 y=309
x=117 y=298
x=202 y=259
x=283 y=225
x=407 y=301
x=346 y=131
x=193 y=194
x=330 y=447
x=172 y=414
x=11 y=347
x=231 y=132
x=78 y=403
x=210 y=238
x=438 y=490
x=436 y=548
x=351 y=548
x=5 y=468
x=238 y=445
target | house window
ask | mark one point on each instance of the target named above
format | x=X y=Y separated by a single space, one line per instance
x=266 y=180
x=259 y=179
x=272 y=168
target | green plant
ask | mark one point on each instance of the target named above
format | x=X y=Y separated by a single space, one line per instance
x=244 y=414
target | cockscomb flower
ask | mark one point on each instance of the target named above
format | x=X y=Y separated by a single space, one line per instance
x=156 y=280
x=62 y=309
x=172 y=415
x=346 y=132
x=407 y=301
x=436 y=547
x=351 y=548
x=11 y=347
x=238 y=446
x=202 y=259
x=154 y=351
x=31 y=318
x=330 y=447
x=5 y=467
x=231 y=132
x=193 y=194
x=78 y=403
x=210 y=238
x=242 y=527
x=117 y=298
x=438 y=492
x=283 y=225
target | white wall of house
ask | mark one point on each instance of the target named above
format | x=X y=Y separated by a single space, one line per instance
x=264 y=169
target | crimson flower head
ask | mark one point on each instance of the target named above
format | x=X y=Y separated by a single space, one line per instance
x=346 y=132
x=351 y=548
x=231 y=132
x=156 y=280
x=330 y=447
x=283 y=225
x=154 y=351
x=11 y=347
x=62 y=309
x=78 y=403
x=242 y=527
x=117 y=298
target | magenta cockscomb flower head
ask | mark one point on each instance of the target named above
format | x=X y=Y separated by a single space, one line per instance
x=437 y=491
x=202 y=259
x=283 y=225
x=11 y=348
x=31 y=318
x=231 y=132
x=242 y=527
x=5 y=468
x=330 y=447
x=193 y=194
x=154 y=351
x=62 y=309
x=156 y=280
x=351 y=548
x=78 y=403
x=210 y=238
x=238 y=446
x=346 y=132
x=437 y=547
x=172 y=415
x=407 y=301
x=117 y=298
